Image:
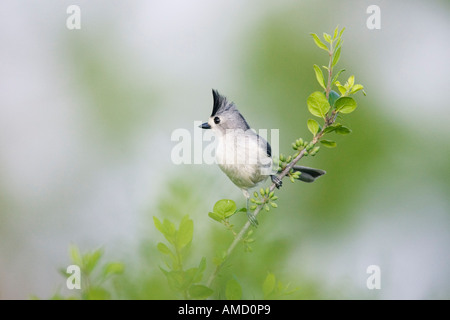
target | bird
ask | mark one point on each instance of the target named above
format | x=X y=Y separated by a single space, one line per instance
x=243 y=155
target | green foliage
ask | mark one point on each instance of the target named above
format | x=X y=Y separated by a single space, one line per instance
x=233 y=290
x=183 y=282
x=319 y=76
x=274 y=289
x=95 y=277
x=345 y=105
x=318 y=104
x=313 y=126
x=328 y=143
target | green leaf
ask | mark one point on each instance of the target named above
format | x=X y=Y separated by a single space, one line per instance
x=336 y=56
x=341 y=88
x=356 y=88
x=343 y=130
x=200 y=269
x=313 y=126
x=225 y=207
x=335 y=32
x=91 y=259
x=345 y=105
x=319 y=76
x=198 y=291
x=233 y=290
x=329 y=129
x=185 y=232
x=333 y=97
x=113 y=268
x=328 y=143
x=167 y=228
x=75 y=255
x=163 y=248
x=269 y=284
x=216 y=216
x=351 y=81
x=340 y=33
x=336 y=76
x=318 y=104
x=242 y=210
x=327 y=37
x=318 y=42
x=175 y=278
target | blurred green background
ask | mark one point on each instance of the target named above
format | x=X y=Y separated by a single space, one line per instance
x=86 y=118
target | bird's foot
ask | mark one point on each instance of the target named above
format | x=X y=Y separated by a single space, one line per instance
x=277 y=181
x=251 y=217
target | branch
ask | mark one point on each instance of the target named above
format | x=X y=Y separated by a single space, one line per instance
x=329 y=120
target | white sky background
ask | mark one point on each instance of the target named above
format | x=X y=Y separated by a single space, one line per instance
x=41 y=144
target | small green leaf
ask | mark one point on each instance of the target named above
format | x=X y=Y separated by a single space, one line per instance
x=313 y=126
x=340 y=33
x=167 y=228
x=333 y=96
x=319 y=76
x=201 y=292
x=356 y=88
x=113 y=268
x=329 y=129
x=335 y=32
x=318 y=104
x=274 y=205
x=345 y=105
x=201 y=268
x=233 y=290
x=75 y=255
x=185 y=232
x=327 y=37
x=336 y=56
x=328 y=143
x=215 y=216
x=91 y=259
x=343 y=130
x=351 y=81
x=318 y=42
x=269 y=284
x=225 y=207
x=163 y=248
x=336 y=76
x=242 y=210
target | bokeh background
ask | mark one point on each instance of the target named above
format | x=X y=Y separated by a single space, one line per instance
x=86 y=118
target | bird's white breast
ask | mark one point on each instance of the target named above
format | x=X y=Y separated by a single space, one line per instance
x=242 y=159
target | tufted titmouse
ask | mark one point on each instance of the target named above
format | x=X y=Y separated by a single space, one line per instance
x=244 y=156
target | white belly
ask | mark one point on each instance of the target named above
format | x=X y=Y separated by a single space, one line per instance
x=243 y=160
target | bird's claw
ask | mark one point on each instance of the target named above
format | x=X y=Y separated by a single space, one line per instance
x=277 y=181
x=252 y=218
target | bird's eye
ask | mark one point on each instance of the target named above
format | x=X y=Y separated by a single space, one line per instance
x=216 y=120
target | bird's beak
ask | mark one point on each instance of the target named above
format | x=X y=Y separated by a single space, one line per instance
x=205 y=126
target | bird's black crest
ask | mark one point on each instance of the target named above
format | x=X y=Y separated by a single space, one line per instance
x=219 y=102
